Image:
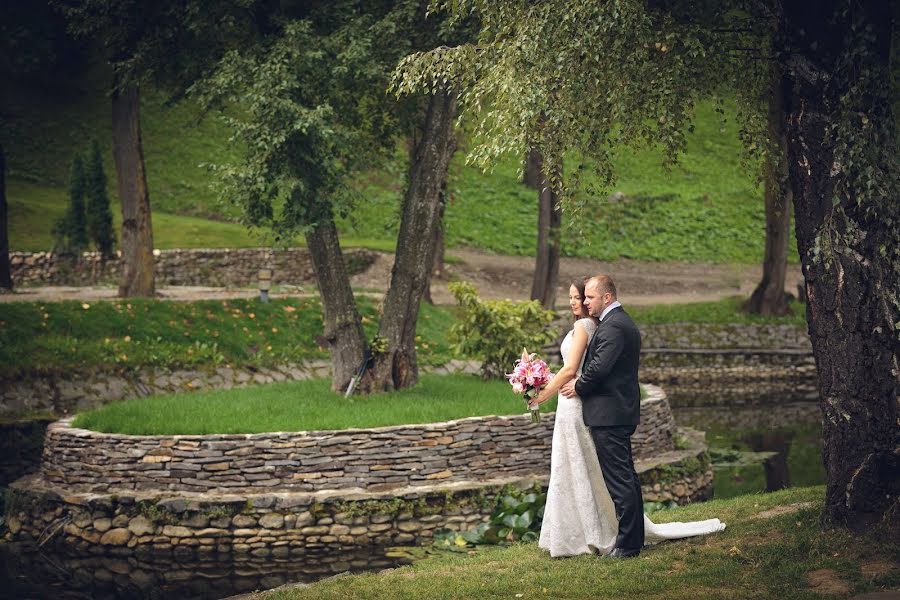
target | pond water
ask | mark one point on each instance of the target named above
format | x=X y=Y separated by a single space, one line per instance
x=29 y=573
x=787 y=427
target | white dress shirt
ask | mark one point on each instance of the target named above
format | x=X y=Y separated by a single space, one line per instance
x=606 y=310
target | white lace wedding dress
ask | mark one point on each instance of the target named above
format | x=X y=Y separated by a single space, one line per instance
x=579 y=517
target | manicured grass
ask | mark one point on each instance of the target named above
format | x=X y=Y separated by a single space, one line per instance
x=753 y=558
x=727 y=310
x=33 y=207
x=305 y=405
x=38 y=337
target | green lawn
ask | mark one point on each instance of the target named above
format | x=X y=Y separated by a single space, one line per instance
x=756 y=557
x=33 y=205
x=38 y=337
x=305 y=405
x=59 y=337
x=707 y=208
x=727 y=310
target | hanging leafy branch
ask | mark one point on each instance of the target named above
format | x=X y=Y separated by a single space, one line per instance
x=536 y=67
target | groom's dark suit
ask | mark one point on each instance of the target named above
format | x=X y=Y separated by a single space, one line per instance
x=611 y=406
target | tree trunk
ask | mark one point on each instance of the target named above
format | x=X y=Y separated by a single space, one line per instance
x=546 y=264
x=851 y=323
x=437 y=268
x=394 y=365
x=769 y=297
x=343 y=330
x=5 y=270
x=138 y=266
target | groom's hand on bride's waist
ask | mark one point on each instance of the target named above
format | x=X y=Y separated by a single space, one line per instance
x=568 y=389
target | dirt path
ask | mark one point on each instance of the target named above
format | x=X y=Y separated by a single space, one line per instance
x=639 y=283
x=496 y=277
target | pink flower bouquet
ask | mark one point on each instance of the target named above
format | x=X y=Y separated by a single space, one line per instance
x=528 y=377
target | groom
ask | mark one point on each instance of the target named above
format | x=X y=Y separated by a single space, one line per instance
x=611 y=406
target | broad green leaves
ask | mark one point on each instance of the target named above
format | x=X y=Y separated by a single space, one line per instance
x=573 y=75
x=496 y=330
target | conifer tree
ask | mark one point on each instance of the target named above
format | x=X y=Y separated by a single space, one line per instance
x=99 y=216
x=76 y=217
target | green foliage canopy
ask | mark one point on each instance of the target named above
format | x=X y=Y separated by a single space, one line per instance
x=572 y=75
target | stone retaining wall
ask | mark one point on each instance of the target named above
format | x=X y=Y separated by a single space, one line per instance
x=700 y=336
x=213 y=267
x=327 y=525
x=731 y=376
x=472 y=449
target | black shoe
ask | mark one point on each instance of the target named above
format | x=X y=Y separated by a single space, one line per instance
x=622 y=553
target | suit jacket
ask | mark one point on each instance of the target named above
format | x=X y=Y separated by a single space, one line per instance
x=608 y=386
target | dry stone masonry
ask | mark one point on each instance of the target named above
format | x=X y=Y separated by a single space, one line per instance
x=472 y=449
x=316 y=496
x=230 y=267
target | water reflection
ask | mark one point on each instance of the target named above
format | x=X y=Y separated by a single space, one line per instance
x=776 y=467
x=788 y=426
x=27 y=572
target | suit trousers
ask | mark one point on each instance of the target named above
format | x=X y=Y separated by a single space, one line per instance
x=613 y=446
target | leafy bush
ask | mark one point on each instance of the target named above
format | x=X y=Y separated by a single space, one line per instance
x=517 y=517
x=495 y=331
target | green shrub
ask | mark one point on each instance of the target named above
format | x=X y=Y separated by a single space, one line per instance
x=495 y=331
x=99 y=215
x=70 y=230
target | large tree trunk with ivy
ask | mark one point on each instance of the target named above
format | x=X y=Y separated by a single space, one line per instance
x=343 y=332
x=5 y=272
x=394 y=365
x=138 y=267
x=839 y=110
x=769 y=297
x=546 y=263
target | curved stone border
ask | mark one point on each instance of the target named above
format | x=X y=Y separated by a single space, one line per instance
x=383 y=458
x=326 y=525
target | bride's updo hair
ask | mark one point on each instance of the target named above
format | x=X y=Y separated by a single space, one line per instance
x=579 y=284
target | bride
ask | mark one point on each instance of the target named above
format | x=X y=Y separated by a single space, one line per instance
x=580 y=517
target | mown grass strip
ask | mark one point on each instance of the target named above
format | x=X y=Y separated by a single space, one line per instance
x=306 y=405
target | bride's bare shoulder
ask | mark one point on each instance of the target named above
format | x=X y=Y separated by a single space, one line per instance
x=588 y=324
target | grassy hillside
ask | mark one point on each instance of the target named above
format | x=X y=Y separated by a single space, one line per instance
x=707 y=208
